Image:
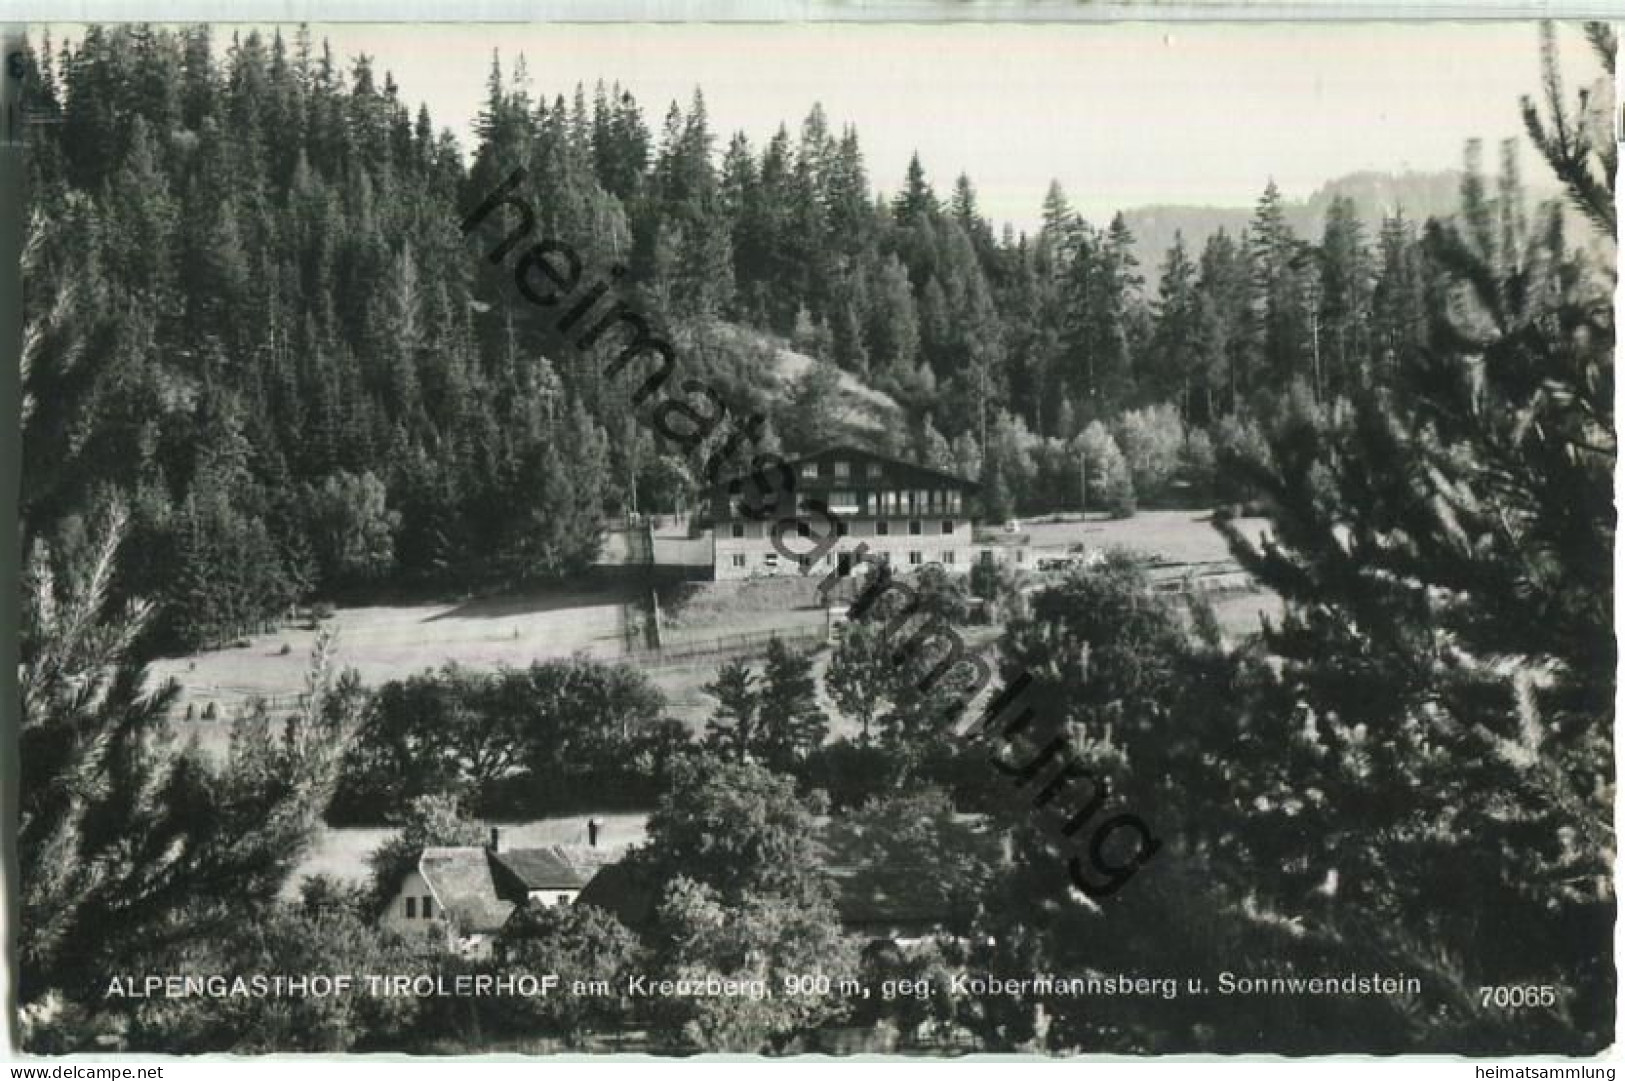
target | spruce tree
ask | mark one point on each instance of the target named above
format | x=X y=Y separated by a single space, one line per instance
x=127 y=844
x=1448 y=647
x=732 y=728
x=790 y=723
x=1174 y=345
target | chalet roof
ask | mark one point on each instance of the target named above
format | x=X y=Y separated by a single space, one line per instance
x=463 y=885
x=555 y=867
x=479 y=889
x=915 y=471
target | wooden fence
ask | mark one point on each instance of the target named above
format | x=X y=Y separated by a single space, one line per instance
x=635 y=648
x=1204 y=579
x=195 y=702
x=678 y=651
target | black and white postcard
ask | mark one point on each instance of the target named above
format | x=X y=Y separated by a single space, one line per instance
x=830 y=538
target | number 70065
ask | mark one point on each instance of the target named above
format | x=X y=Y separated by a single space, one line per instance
x=1517 y=997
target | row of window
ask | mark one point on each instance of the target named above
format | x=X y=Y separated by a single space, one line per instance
x=923 y=501
x=413 y=905
x=771 y=559
x=896 y=503
x=841 y=469
x=882 y=528
x=916 y=558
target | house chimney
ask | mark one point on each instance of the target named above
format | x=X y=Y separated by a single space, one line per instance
x=593 y=825
x=497 y=844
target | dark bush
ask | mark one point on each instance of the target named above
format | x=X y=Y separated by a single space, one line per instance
x=849 y=773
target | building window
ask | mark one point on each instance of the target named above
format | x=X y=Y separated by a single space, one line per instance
x=1021 y=556
x=882 y=528
x=428 y=907
x=770 y=560
x=739 y=529
x=805 y=561
x=947 y=526
x=809 y=470
x=914 y=528
x=411 y=908
x=739 y=559
x=914 y=559
x=843 y=469
x=840 y=529
x=948 y=556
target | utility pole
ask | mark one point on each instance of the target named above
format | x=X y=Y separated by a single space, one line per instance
x=1313 y=291
x=1083 y=480
x=632 y=464
x=981 y=371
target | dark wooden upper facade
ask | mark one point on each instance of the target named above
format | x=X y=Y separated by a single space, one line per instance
x=855 y=484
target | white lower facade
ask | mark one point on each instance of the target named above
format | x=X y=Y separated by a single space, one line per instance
x=415 y=909
x=417 y=912
x=742 y=550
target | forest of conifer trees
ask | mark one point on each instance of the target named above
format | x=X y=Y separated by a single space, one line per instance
x=311 y=389
x=261 y=367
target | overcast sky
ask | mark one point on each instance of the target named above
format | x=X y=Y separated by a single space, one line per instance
x=1123 y=115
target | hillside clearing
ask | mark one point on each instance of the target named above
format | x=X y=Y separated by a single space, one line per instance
x=386 y=642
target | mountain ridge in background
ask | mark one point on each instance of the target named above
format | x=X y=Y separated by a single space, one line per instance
x=1376 y=194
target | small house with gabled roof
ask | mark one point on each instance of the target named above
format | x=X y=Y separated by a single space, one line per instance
x=466 y=894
